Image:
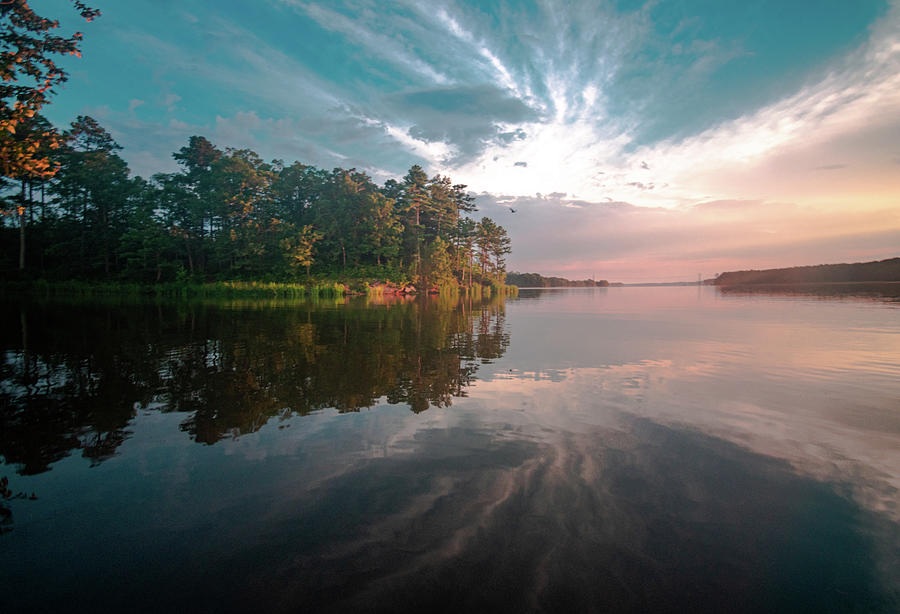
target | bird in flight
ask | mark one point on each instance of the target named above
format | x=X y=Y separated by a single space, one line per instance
x=512 y=210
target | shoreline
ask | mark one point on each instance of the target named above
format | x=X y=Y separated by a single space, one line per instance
x=242 y=289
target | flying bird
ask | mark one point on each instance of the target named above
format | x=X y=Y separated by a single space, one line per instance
x=511 y=209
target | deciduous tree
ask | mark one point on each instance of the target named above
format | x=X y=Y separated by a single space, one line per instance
x=29 y=73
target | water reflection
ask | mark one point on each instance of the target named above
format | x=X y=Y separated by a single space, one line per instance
x=626 y=450
x=634 y=519
x=74 y=376
x=888 y=292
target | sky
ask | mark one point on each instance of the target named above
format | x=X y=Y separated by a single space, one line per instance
x=636 y=141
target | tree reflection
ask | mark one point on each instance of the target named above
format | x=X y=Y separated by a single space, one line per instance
x=72 y=377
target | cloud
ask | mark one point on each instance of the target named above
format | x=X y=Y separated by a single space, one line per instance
x=565 y=90
x=148 y=145
x=170 y=100
x=385 y=46
x=849 y=111
x=464 y=118
x=543 y=108
x=234 y=61
x=518 y=86
x=844 y=112
x=434 y=151
x=328 y=118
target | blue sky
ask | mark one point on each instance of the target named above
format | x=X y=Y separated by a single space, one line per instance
x=638 y=114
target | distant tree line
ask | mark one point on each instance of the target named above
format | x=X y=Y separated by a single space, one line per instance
x=535 y=280
x=883 y=270
x=228 y=214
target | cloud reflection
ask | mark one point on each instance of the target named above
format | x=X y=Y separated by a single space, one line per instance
x=634 y=518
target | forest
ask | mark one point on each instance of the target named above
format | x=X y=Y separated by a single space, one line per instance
x=229 y=215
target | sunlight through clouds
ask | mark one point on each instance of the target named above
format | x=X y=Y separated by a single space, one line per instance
x=654 y=105
x=592 y=157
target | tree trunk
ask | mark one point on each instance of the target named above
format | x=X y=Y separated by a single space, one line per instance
x=22 y=229
x=83 y=230
x=22 y=239
x=418 y=249
x=187 y=247
x=105 y=218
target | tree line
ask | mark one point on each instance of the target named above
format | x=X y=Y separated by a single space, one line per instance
x=228 y=214
x=536 y=280
x=882 y=270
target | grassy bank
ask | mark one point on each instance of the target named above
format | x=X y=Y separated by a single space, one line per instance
x=221 y=289
x=489 y=290
x=232 y=289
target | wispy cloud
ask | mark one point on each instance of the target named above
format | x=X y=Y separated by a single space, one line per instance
x=641 y=109
x=729 y=159
x=149 y=144
x=498 y=70
x=381 y=45
x=854 y=96
x=435 y=152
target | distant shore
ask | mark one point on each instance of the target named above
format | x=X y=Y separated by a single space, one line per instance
x=536 y=280
x=859 y=272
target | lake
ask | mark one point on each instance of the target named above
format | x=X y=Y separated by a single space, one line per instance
x=662 y=449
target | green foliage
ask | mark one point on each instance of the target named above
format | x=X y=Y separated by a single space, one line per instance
x=297 y=247
x=183 y=287
x=94 y=199
x=438 y=268
x=493 y=246
x=228 y=215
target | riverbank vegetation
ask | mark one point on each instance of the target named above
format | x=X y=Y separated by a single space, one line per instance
x=229 y=216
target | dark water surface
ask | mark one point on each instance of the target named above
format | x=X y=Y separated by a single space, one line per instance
x=585 y=450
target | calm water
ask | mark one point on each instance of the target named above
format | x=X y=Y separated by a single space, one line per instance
x=622 y=449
